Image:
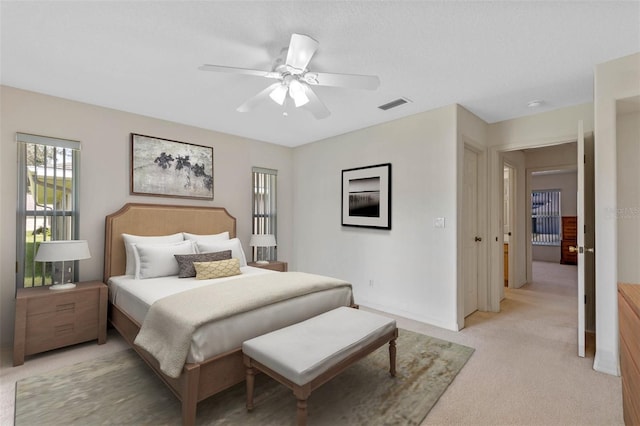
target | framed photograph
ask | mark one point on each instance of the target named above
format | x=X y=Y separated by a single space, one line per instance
x=166 y=168
x=366 y=196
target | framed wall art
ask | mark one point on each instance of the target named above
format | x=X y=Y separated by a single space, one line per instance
x=366 y=196
x=166 y=168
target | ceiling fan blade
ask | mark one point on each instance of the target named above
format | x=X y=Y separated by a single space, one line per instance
x=315 y=105
x=234 y=70
x=251 y=103
x=301 y=50
x=354 y=81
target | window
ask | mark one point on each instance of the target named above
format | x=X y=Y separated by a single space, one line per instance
x=545 y=217
x=47 y=204
x=264 y=218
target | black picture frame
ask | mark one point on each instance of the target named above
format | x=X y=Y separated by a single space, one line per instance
x=366 y=196
x=167 y=168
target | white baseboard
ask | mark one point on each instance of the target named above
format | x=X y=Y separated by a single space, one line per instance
x=606 y=362
x=410 y=315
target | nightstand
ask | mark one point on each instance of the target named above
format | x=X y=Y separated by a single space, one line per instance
x=50 y=319
x=274 y=265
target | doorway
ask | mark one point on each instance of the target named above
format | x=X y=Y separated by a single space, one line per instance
x=555 y=164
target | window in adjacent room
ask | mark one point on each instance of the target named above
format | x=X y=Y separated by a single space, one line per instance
x=264 y=212
x=47 y=204
x=545 y=217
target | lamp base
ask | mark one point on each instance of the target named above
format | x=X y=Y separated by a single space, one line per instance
x=67 y=286
x=262 y=262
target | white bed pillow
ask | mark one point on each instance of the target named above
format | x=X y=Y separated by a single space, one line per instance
x=130 y=268
x=158 y=260
x=233 y=244
x=206 y=238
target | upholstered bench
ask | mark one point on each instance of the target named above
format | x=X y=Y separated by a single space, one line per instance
x=306 y=355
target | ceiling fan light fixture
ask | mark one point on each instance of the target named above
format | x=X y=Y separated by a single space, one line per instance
x=296 y=91
x=293 y=77
x=278 y=94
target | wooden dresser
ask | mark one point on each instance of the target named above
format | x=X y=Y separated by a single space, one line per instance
x=569 y=239
x=629 y=316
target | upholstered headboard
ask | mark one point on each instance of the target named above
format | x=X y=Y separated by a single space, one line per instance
x=158 y=219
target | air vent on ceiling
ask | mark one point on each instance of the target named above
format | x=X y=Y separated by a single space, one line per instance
x=393 y=104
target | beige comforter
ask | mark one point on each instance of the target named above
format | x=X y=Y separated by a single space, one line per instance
x=170 y=323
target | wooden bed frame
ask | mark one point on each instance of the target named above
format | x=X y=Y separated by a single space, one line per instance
x=198 y=380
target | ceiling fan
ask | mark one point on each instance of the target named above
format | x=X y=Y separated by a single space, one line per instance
x=295 y=80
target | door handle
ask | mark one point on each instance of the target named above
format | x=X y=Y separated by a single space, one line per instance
x=478 y=239
x=573 y=249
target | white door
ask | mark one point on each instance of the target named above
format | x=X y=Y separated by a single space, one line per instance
x=470 y=237
x=580 y=247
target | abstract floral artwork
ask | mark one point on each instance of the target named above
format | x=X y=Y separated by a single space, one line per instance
x=162 y=167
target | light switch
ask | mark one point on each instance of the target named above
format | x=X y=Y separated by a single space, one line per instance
x=438 y=222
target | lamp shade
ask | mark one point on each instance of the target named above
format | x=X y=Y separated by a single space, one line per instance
x=262 y=240
x=62 y=251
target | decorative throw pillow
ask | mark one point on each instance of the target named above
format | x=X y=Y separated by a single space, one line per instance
x=219 y=269
x=185 y=261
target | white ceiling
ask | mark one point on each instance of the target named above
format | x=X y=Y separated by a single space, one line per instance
x=143 y=57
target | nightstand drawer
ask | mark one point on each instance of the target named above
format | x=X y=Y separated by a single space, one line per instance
x=62 y=303
x=47 y=332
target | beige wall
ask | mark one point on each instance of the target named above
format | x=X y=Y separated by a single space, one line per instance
x=544 y=129
x=411 y=269
x=104 y=135
x=628 y=158
x=614 y=80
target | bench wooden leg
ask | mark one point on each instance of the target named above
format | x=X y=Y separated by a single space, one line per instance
x=392 y=357
x=302 y=394
x=251 y=376
x=302 y=412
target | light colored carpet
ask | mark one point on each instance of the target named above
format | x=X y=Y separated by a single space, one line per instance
x=525 y=370
x=121 y=389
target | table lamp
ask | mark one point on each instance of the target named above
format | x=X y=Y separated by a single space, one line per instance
x=62 y=251
x=262 y=240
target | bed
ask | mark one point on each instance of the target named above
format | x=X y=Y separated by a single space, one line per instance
x=214 y=361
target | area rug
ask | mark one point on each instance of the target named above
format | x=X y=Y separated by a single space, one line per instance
x=119 y=389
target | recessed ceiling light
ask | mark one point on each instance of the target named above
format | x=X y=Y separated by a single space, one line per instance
x=535 y=103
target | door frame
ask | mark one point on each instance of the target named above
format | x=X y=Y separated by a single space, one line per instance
x=483 y=227
x=512 y=216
